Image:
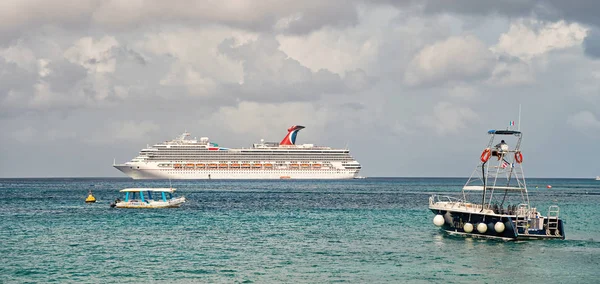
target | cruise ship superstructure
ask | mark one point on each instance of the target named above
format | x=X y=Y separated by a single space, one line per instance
x=186 y=158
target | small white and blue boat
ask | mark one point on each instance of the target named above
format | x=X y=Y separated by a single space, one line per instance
x=494 y=201
x=149 y=198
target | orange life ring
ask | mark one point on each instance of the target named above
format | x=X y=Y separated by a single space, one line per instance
x=519 y=157
x=485 y=155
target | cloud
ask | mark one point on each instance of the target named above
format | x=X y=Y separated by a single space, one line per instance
x=267 y=120
x=400 y=72
x=272 y=76
x=526 y=40
x=449 y=118
x=16 y=87
x=337 y=50
x=463 y=58
x=591 y=44
x=512 y=71
x=552 y=10
x=474 y=7
x=586 y=122
x=96 y=56
x=22 y=17
x=129 y=130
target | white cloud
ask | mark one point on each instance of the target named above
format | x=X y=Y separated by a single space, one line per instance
x=463 y=58
x=527 y=39
x=197 y=51
x=21 y=55
x=334 y=50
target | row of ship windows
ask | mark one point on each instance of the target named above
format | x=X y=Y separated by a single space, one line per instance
x=243 y=151
x=247 y=169
x=277 y=163
x=221 y=152
x=210 y=159
x=247 y=164
x=271 y=158
x=245 y=172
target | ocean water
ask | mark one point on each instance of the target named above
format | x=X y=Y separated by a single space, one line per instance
x=375 y=230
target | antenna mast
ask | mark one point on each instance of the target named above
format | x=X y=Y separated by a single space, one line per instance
x=519 y=127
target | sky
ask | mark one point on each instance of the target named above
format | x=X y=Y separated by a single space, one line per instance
x=410 y=87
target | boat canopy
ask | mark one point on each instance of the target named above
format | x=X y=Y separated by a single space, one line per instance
x=503 y=132
x=480 y=187
x=166 y=189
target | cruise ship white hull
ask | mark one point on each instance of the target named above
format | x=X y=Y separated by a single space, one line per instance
x=147 y=171
x=184 y=158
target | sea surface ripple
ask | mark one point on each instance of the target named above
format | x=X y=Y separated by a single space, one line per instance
x=374 y=230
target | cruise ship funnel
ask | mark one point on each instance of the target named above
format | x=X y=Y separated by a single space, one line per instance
x=290 y=138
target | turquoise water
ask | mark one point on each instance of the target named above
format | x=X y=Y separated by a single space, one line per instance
x=358 y=231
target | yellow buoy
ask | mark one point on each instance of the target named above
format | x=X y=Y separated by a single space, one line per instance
x=90 y=198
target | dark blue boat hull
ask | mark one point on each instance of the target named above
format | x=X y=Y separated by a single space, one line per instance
x=454 y=224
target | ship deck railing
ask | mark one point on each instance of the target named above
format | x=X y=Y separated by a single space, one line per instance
x=453 y=203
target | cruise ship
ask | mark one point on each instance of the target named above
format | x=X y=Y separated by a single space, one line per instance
x=186 y=158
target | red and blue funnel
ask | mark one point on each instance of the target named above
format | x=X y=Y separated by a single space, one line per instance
x=290 y=138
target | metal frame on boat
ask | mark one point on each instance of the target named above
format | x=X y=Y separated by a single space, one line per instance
x=143 y=198
x=502 y=209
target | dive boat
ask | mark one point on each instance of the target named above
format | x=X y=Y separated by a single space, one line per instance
x=148 y=198
x=597 y=177
x=494 y=201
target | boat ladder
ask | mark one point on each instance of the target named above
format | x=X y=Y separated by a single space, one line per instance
x=521 y=219
x=552 y=227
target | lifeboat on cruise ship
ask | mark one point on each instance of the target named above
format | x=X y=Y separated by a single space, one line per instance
x=177 y=166
x=200 y=166
x=256 y=166
x=235 y=166
x=222 y=166
x=305 y=165
x=294 y=166
x=245 y=166
x=268 y=165
x=316 y=166
x=212 y=166
x=189 y=165
x=285 y=177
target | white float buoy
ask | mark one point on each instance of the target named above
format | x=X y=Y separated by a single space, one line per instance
x=438 y=220
x=481 y=227
x=468 y=227
x=499 y=227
